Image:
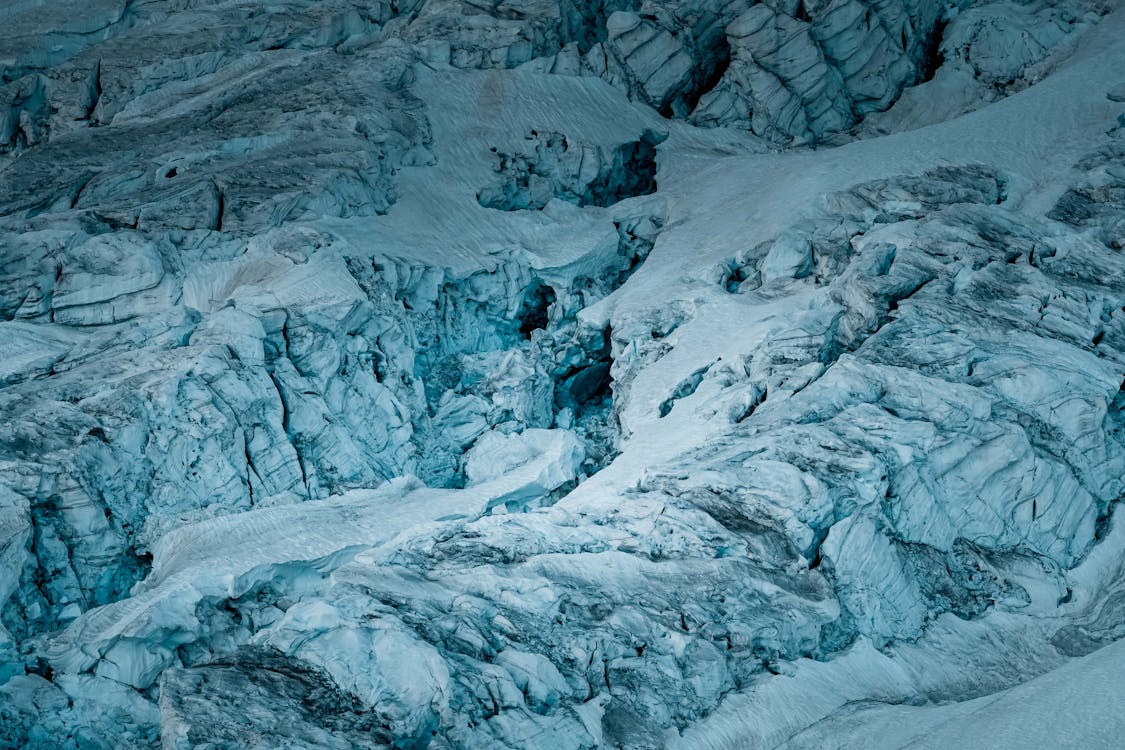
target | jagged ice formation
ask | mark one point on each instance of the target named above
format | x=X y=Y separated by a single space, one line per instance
x=562 y=374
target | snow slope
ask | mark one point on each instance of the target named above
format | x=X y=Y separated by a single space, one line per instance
x=1083 y=694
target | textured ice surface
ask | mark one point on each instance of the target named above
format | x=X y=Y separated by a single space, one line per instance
x=553 y=374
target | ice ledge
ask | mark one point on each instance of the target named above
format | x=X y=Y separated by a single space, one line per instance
x=133 y=640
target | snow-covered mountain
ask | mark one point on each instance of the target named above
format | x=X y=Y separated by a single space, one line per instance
x=562 y=374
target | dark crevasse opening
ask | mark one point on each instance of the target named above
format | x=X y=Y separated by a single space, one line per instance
x=633 y=172
x=549 y=166
x=584 y=21
x=932 y=56
x=486 y=354
x=709 y=71
x=584 y=401
x=586 y=389
x=534 y=313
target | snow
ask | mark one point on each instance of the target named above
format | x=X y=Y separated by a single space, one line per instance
x=222 y=558
x=1083 y=695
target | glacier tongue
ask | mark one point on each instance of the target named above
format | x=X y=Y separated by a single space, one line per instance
x=556 y=374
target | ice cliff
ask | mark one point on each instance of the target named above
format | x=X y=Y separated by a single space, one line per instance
x=562 y=374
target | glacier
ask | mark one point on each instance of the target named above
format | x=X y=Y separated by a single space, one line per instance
x=562 y=374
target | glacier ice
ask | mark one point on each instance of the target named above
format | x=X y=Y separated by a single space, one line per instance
x=559 y=374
